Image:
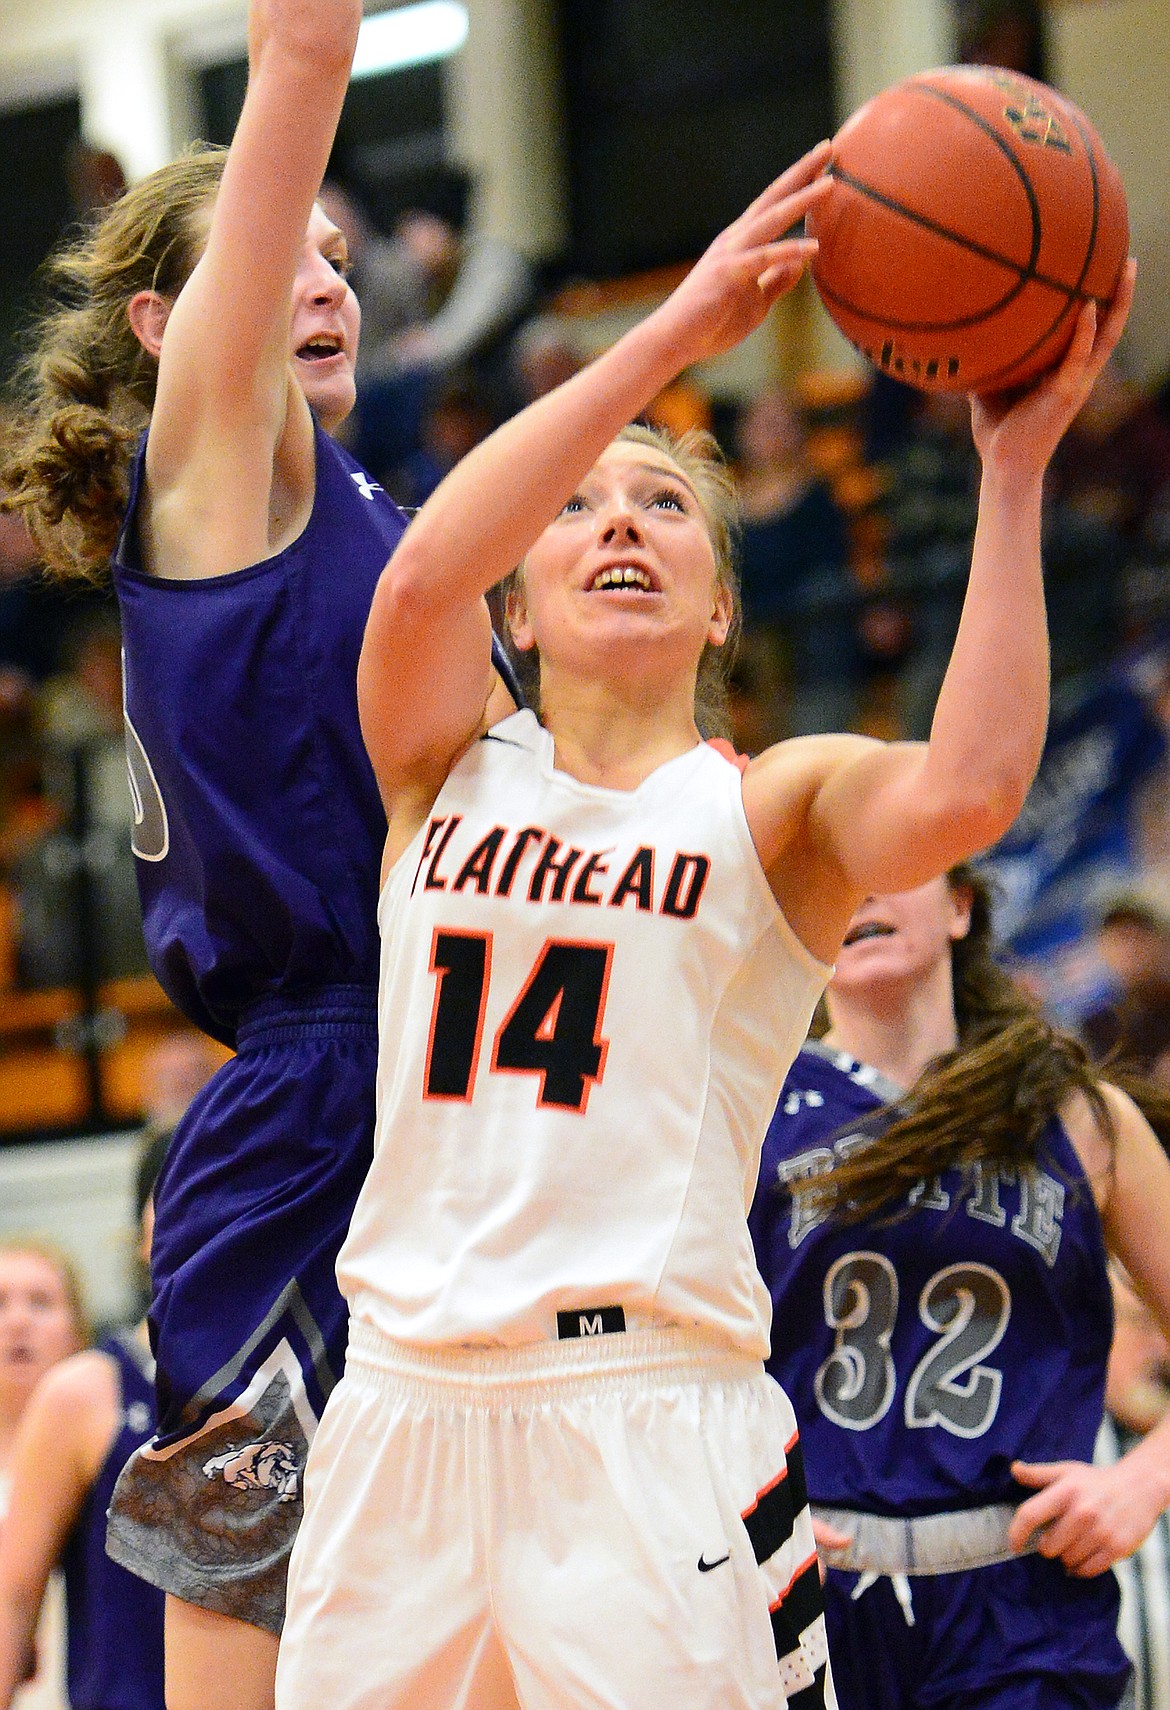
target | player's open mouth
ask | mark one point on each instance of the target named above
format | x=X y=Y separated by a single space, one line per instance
x=623 y=576
x=868 y=929
x=320 y=347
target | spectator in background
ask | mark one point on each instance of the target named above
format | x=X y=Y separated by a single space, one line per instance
x=178 y=1066
x=1009 y=33
x=37 y=620
x=96 y=177
x=457 y=417
x=799 y=598
x=437 y=297
x=42 y=1321
x=83 y=1421
x=477 y=288
x=34 y=614
x=543 y=357
x=1114 y=463
x=1131 y=1026
x=27 y=653
x=1133 y=937
x=929 y=510
x=77 y=895
x=1112 y=480
x=389 y=282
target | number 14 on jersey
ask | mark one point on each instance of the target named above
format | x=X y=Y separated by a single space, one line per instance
x=552 y=1028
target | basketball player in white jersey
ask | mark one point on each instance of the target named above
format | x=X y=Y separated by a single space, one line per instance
x=555 y=1473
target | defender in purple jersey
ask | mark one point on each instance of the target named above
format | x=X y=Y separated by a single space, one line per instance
x=939 y=1187
x=209 y=307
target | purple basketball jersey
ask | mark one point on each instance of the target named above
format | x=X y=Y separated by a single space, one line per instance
x=258 y=824
x=926 y=1350
x=115 y=1619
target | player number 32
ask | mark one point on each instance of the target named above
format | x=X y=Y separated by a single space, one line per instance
x=966 y=1306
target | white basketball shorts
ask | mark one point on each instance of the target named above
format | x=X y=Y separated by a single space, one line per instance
x=617 y=1522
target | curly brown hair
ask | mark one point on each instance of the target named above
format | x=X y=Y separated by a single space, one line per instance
x=85 y=391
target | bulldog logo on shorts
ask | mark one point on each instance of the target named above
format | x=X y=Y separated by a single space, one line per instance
x=258 y=1466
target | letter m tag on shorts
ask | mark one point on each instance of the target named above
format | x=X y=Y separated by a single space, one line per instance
x=590 y=1321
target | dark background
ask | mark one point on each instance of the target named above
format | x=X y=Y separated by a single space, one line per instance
x=678 y=113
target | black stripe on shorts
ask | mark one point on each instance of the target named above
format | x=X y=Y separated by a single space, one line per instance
x=770 y=1519
x=797 y=1608
x=772 y=1516
x=797 y=1484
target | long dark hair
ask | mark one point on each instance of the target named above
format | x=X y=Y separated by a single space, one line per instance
x=987 y=1101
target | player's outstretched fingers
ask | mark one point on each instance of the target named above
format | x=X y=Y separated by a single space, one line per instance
x=804 y=171
x=768 y=224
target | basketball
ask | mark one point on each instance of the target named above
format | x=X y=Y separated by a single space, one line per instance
x=973 y=212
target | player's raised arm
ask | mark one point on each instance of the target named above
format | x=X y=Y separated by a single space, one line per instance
x=428 y=629
x=847 y=817
x=223 y=383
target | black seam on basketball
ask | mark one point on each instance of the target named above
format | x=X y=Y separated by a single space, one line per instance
x=886 y=320
x=971 y=245
x=1092 y=159
x=1005 y=149
x=987 y=383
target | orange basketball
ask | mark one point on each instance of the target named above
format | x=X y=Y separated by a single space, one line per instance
x=973 y=212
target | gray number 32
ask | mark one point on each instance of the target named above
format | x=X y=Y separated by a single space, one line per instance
x=967 y=1306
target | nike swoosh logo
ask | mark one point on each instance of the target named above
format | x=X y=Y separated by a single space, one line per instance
x=705 y=1566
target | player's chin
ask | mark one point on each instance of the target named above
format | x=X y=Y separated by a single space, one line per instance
x=331 y=395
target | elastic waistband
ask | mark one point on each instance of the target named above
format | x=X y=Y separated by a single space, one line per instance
x=925 y=1544
x=310 y=1012
x=534 y=1372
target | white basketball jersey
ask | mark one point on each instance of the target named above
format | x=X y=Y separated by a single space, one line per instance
x=589 y=1001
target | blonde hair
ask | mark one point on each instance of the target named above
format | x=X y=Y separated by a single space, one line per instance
x=67 y=1272
x=85 y=391
x=698 y=455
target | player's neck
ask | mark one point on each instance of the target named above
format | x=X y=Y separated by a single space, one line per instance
x=897 y=1035
x=616 y=742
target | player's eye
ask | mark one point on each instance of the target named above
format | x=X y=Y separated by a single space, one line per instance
x=667 y=499
x=573 y=507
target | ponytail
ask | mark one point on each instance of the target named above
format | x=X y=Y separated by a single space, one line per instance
x=85 y=392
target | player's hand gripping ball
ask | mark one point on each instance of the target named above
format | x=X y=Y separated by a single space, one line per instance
x=973 y=211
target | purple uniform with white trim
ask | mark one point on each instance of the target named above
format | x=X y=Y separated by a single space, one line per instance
x=923 y=1353
x=115 y=1620
x=259 y=834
